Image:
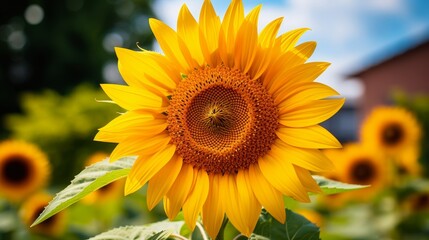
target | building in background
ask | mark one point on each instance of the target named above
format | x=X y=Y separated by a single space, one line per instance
x=404 y=70
x=403 y=66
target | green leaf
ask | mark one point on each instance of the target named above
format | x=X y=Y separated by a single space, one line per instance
x=296 y=227
x=155 y=231
x=329 y=186
x=87 y=181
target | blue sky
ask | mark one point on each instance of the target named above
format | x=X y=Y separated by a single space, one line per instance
x=351 y=34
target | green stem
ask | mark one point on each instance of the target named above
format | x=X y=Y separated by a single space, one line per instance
x=221 y=233
x=238 y=236
x=203 y=233
x=176 y=236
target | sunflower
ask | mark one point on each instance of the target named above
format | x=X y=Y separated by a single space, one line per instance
x=108 y=192
x=24 y=168
x=225 y=121
x=390 y=129
x=363 y=166
x=33 y=207
x=417 y=202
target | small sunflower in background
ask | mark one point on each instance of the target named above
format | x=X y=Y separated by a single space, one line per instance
x=108 y=192
x=357 y=164
x=225 y=121
x=417 y=202
x=33 y=207
x=390 y=130
x=24 y=169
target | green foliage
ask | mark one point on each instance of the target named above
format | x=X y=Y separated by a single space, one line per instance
x=329 y=186
x=296 y=227
x=63 y=126
x=89 y=180
x=154 y=231
x=69 y=46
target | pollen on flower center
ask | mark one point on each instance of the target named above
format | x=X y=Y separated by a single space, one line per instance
x=221 y=120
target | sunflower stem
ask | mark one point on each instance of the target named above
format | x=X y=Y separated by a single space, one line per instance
x=238 y=236
x=176 y=236
x=203 y=232
x=221 y=233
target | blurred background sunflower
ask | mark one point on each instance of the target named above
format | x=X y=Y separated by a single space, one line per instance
x=31 y=209
x=390 y=130
x=24 y=169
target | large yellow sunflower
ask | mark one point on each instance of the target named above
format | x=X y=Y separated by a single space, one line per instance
x=225 y=121
x=24 y=169
x=390 y=129
x=33 y=207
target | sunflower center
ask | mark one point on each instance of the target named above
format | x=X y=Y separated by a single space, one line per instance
x=15 y=170
x=221 y=120
x=392 y=134
x=363 y=172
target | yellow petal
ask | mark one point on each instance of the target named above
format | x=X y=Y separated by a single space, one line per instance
x=209 y=30
x=242 y=208
x=308 y=137
x=196 y=198
x=161 y=182
x=306 y=72
x=247 y=40
x=172 y=45
x=176 y=196
x=307 y=180
x=296 y=94
x=132 y=98
x=281 y=174
x=249 y=205
x=108 y=137
x=140 y=146
x=270 y=198
x=266 y=49
x=279 y=70
x=189 y=31
x=305 y=50
x=213 y=209
x=231 y=23
x=144 y=169
x=269 y=33
x=311 y=159
x=311 y=113
x=289 y=39
x=147 y=68
x=137 y=122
